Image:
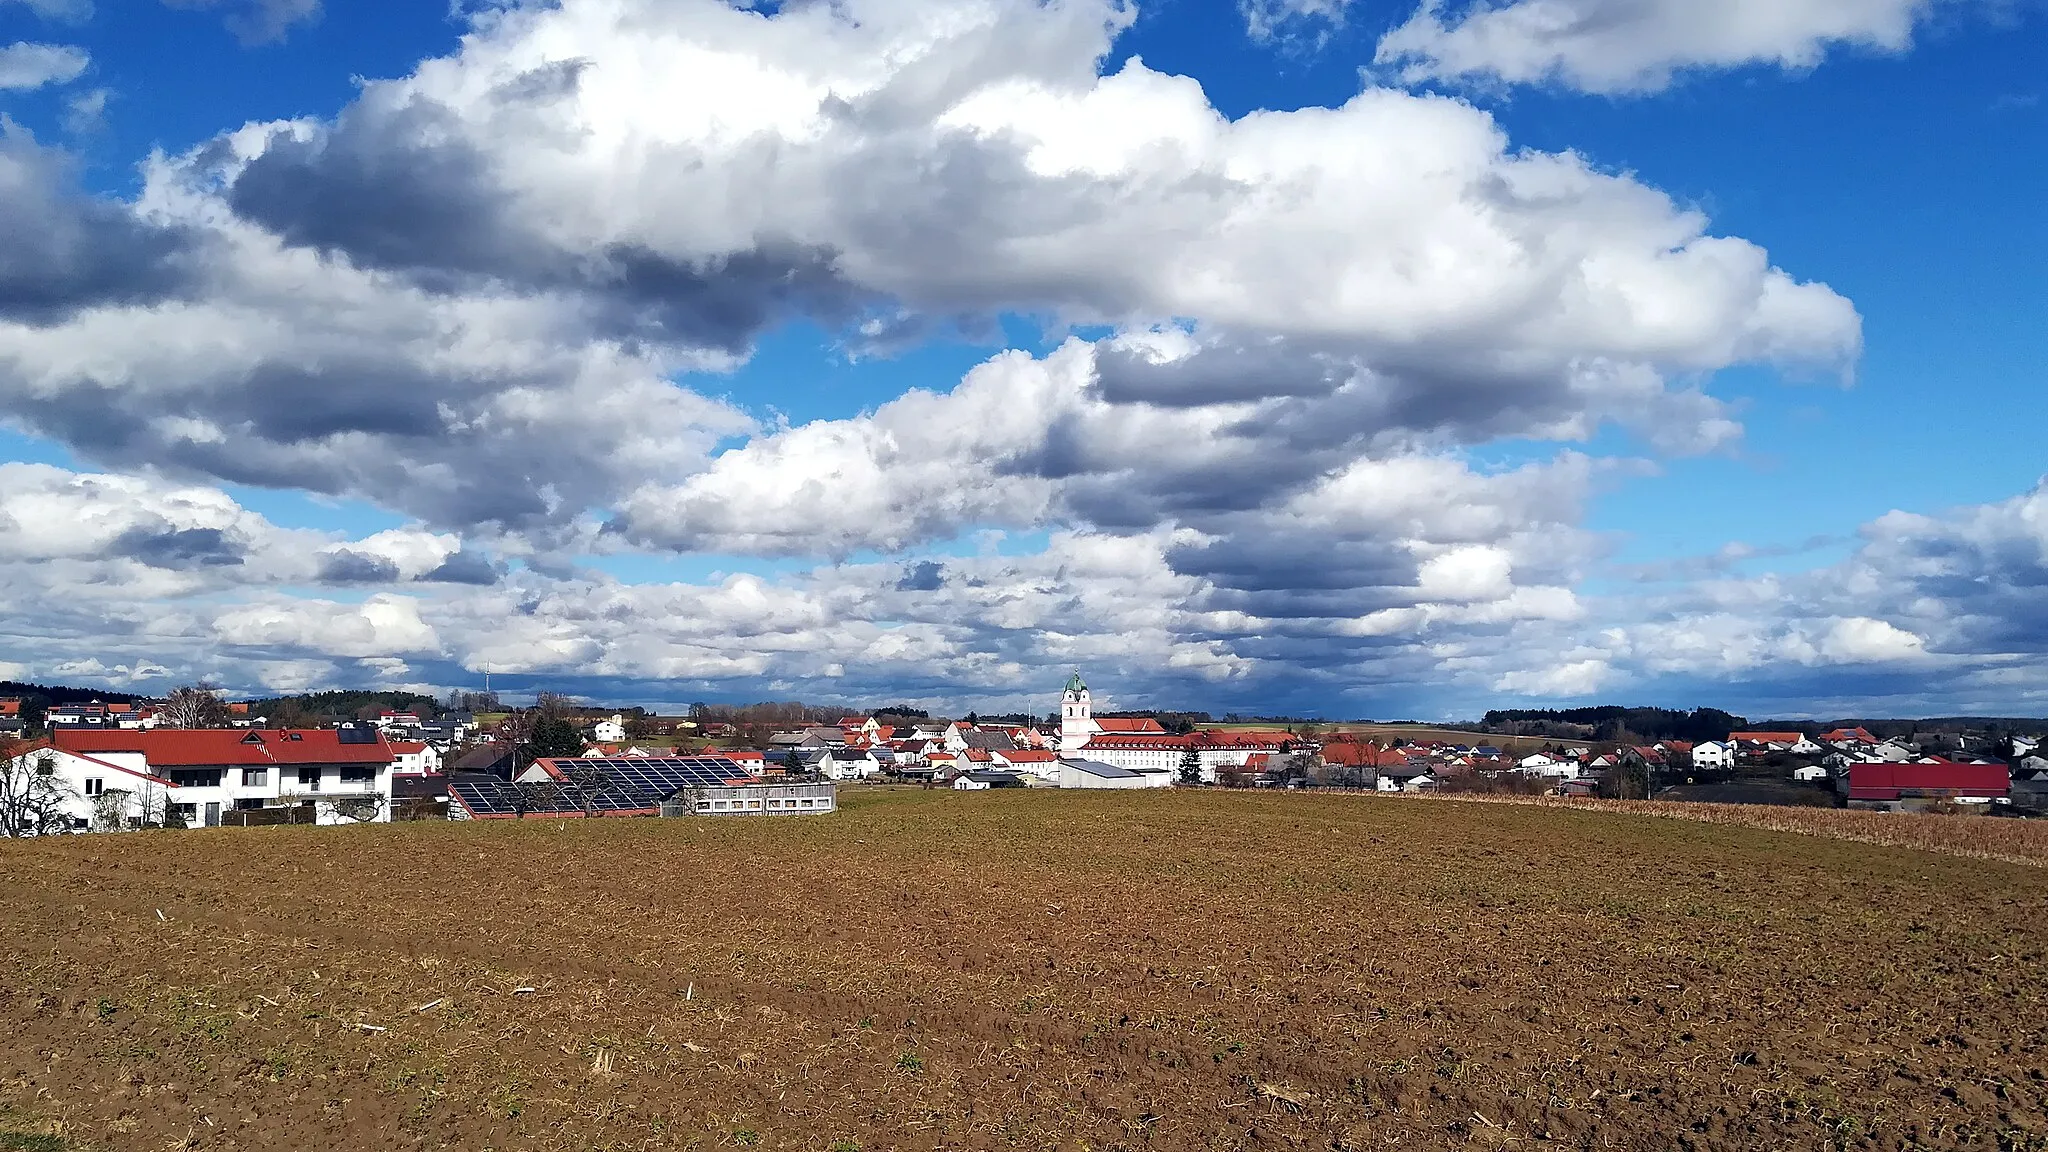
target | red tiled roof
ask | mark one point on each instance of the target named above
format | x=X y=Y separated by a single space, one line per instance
x=1136 y=724
x=1137 y=740
x=1348 y=755
x=1840 y=735
x=1251 y=738
x=1767 y=737
x=1030 y=756
x=408 y=747
x=226 y=747
x=1883 y=781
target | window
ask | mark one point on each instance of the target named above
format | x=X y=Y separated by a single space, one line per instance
x=255 y=777
x=94 y=785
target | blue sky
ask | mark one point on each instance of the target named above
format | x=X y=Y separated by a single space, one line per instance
x=667 y=352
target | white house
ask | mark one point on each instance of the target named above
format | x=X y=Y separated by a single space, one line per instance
x=1809 y=773
x=341 y=775
x=849 y=764
x=612 y=731
x=91 y=794
x=862 y=728
x=1036 y=762
x=414 y=757
x=1713 y=755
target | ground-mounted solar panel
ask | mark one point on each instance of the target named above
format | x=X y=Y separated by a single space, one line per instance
x=487 y=797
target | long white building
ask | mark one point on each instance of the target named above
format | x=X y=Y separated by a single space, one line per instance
x=104 y=779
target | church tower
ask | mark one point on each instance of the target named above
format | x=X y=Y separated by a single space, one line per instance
x=1077 y=721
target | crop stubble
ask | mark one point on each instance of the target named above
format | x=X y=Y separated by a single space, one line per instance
x=1029 y=970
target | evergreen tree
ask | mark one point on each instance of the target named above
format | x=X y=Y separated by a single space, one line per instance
x=1191 y=765
x=554 y=736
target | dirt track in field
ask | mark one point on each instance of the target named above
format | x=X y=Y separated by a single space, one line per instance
x=1027 y=970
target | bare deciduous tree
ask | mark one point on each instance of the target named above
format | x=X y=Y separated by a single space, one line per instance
x=110 y=810
x=194 y=706
x=33 y=798
x=354 y=809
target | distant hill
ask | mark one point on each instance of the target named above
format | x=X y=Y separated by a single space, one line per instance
x=60 y=694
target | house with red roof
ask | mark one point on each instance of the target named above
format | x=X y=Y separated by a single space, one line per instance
x=1763 y=743
x=337 y=776
x=414 y=757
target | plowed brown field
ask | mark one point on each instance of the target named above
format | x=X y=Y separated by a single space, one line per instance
x=1022 y=970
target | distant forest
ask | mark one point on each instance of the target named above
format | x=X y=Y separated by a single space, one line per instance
x=1614 y=723
x=59 y=694
x=322 y=707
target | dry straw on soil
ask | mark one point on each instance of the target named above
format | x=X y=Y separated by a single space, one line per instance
x=1979 y=837
x=1023 y=969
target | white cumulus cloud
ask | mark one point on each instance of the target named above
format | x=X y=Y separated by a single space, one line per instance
x=1625 y=46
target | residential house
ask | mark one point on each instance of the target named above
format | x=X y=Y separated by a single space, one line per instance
x=1399 y=777
x=1759 y=744
x=751 y=759
x=984 y=780
x=76 y=715
x=415 y=757
x=211 y=774
x=611 y=730
x=860 y=728
x=490 y=758
x=849 y=764
x=1038 y=762
x=1713 y=756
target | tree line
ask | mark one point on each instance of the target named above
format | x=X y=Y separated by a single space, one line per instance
x=1611 y=723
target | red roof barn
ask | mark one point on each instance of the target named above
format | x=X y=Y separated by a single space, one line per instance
x=1923 y=781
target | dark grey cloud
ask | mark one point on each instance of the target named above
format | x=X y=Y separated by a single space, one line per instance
x=397 y=186
x=923 y=576
x=1276 y=561
x=1230 y=374
x=347 y=566
x=178 y=549
x=62 y=251
x=466 y=567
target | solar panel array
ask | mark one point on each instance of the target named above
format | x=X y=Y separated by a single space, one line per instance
x=621 y=784
x=661 y=776
x=491 y=797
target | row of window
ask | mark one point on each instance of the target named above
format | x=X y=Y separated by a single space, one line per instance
x=755 y=805
x=309 y=778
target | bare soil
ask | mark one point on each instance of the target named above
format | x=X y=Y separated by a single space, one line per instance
x=1023 y=970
